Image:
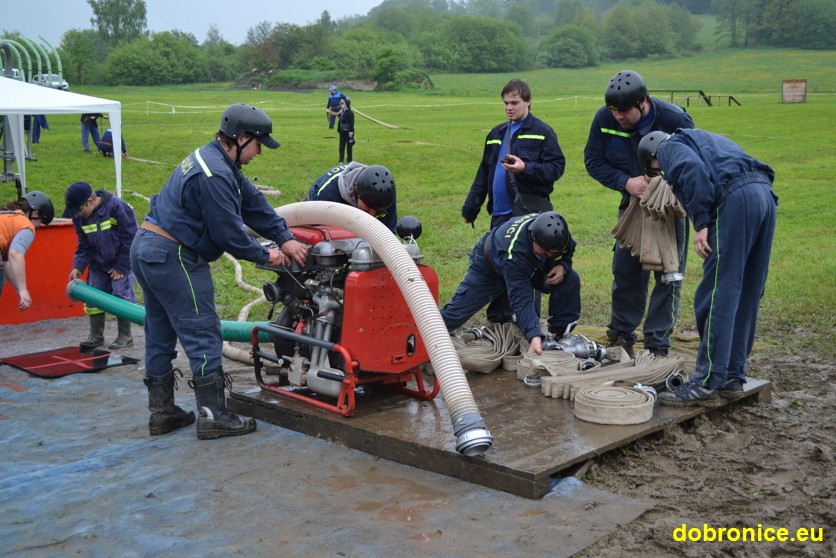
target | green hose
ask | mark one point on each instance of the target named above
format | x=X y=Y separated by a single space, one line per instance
x=82 y=292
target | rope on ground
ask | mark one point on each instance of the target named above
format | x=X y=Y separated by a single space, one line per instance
x=230 y=352
x=376 y=121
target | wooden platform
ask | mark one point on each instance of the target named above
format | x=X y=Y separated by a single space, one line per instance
x=535 y=438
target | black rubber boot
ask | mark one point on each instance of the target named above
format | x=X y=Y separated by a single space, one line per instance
x=124 y=339
x=214 y=421
x=165 y=415
x=97 y=325
x=616 y=339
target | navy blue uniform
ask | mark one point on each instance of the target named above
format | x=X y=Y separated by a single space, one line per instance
x=104 y=244
x=610 y=158
x=510 y=266
x=204 y=205
x=328 y=188
x=730 y=192
x=106 y=144
x=535 y=143
x=333 y=106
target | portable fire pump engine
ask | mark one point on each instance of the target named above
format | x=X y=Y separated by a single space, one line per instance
x=344 y=323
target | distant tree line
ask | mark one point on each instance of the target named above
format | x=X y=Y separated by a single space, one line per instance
x=399 y=42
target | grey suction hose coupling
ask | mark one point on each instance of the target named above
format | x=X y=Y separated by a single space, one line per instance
x=472 y=435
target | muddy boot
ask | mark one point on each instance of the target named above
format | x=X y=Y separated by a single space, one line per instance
x=165 y=415
x=97 y=325
x=124 y=338
x=214 y=421
x=623 y=340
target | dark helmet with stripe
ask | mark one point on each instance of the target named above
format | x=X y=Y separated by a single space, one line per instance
x=551 y=232
x=648 y=146
x=625 y=90
x=240 y=118
x=41 y=202
x=376 y=187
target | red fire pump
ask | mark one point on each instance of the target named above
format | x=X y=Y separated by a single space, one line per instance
x=344 y=322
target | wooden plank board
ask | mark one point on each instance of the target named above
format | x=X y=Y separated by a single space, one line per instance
x=535 y=437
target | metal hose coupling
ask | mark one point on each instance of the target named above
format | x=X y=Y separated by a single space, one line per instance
x=472 y=435
x=674 y=380
x=647 y=389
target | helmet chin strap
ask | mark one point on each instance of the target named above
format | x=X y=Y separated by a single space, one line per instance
x=240 y=148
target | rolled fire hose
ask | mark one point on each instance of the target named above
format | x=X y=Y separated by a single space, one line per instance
x=472 y=435
x=614 y=405
x=82 y=292
x=647 y=227
x=498 y=344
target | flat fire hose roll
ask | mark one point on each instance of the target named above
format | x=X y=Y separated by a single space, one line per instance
x=613 y=405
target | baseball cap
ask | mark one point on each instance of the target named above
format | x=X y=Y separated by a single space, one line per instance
x=332 y=87
x=76 y=196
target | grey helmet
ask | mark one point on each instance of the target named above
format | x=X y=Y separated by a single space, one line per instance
x=625 y=90
x=550 y=231
x=648 y=146
x=240 y=118
x=376 y=187
x=41 y=202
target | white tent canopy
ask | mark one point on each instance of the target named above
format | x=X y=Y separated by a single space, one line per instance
x=18 y=98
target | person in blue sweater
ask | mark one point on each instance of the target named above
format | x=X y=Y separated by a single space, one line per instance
x=529 y=252
x=106 y=144
x=370 y=188
x=105 y=226
x=332 y=107
x=629 y=114
x=728 y=196
x=198 y=215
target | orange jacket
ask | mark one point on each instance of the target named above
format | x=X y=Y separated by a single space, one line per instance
x=11 y=223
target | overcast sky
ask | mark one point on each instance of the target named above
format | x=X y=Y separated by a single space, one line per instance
x=51 y=18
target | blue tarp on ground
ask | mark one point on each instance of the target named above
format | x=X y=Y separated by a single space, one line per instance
x=80 y=475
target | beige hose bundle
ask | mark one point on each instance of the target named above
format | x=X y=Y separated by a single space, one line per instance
x=648 y=227
x=498 y=347
x=614 y=405
x=550 y=363
x=646 y=369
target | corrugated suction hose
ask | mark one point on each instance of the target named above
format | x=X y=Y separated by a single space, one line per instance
x=472 y=435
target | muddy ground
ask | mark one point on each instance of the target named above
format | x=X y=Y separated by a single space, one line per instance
x=769 y=463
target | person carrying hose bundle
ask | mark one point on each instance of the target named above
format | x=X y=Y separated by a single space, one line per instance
x=728 y=196
x=198 y=215
x=630 y=113
x=105 y=226
x=18 y=221
x=532 y=251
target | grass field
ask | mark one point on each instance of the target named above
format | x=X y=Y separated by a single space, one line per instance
x=432 y=141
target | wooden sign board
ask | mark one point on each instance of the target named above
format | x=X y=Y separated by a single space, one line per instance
x=794 y=91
